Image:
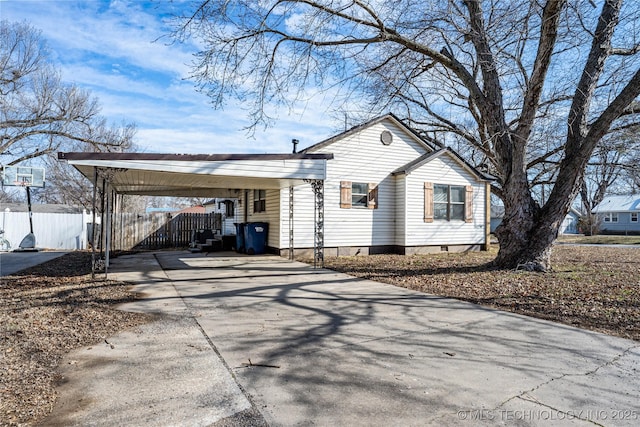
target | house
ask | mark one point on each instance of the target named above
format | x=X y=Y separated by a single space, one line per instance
x=385 y=190
x=569 y=224
x=619 y=214
x=378 y=187
x=228 y=209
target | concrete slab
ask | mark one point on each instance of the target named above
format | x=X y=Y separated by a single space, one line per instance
x=315 y=347
x=165 y=373
x=323 y=348
x=13 y=262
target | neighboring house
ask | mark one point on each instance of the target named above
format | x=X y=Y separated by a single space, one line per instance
x=386 y=190
x=497 y=213
x=569 y=224
x=229 y=209
x=619 y=214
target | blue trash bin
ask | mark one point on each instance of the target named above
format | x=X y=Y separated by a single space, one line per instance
x=255 y=237
x=240 y=226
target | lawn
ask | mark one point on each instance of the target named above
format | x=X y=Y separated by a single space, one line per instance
x=45 y=312
x=600 y=239
x=590 y=287
x=55 y=307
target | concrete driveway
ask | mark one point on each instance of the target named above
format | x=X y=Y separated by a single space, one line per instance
x=297 y=346
x=12 y=262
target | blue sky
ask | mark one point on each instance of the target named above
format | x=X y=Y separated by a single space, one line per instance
x=117 y=49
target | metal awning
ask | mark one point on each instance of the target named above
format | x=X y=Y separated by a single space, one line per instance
x=205 y=175
x=212 y=175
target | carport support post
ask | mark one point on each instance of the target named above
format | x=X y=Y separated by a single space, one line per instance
x=93 y=227
x=108 y=230
x=291 y=222
x=318 y=212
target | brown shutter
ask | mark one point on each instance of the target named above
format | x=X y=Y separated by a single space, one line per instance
x=372 y=200
x=345 y=194
x=468 y=205
x=428 y=202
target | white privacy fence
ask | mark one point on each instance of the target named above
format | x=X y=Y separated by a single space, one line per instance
x=66 y=231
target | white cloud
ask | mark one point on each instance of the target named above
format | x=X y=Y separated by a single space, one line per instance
x=113 y=49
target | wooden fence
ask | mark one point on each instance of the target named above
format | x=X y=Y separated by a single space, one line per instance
x=159 y=230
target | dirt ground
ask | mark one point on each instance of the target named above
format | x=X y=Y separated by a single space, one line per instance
x=45 y=312
x=50 y=309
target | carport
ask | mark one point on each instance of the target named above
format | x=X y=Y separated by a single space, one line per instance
x=201 y=175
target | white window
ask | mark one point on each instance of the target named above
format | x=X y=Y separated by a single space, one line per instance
x=259 y=200
x=611 y=217
x=448 y=202
x=634 y=216
x=359 y=194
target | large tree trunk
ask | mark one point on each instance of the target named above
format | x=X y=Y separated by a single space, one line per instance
x=527 y=232
x=526 y=248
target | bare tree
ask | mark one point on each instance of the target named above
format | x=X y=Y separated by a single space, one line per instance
x=524 y=84
x=39 y=113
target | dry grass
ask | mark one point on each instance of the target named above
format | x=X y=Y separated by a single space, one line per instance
x=49 y=310
x=596 y=288
x=45 y=312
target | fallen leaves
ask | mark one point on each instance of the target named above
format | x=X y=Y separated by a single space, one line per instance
x=596 y=288
x=45 y=312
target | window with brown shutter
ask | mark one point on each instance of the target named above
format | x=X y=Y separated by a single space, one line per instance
x=358 y=195
x=428 y=202
x=444 y=202
x=345 y=194
x=372 y=202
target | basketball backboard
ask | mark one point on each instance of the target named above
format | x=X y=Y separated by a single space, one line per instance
x=20 y=176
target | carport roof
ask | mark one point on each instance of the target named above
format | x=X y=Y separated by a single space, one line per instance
x=204 y=175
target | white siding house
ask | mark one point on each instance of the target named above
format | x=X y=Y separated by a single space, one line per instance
x=383 y=192
x=380 y=187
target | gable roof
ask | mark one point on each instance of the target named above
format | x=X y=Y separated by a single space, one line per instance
x=619 y=204
x=426 y=158
x=389 y=116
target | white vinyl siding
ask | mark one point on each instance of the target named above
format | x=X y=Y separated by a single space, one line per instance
x=361 y=158
x=271 y=215
x=441 y=232
x=400 y=211
x=399 y=217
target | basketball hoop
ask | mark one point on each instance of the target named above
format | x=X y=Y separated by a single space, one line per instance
x=23 y=176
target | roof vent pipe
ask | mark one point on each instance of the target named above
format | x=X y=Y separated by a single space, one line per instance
x=295 y=145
